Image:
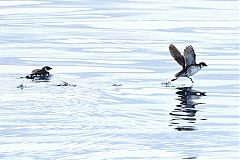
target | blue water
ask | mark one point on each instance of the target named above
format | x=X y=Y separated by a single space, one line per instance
x=114 y=55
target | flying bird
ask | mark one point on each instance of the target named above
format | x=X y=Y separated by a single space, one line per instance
x=187 y=61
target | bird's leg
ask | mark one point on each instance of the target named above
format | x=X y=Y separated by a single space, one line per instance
x=190 y=79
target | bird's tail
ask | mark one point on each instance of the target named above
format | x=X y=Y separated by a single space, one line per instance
x=177 y=75
x=180 y=73
x=174 y=79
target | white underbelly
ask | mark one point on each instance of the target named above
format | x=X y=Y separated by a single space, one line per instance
x=193 y=70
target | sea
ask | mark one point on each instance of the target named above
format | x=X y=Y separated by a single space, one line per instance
x=109 y=96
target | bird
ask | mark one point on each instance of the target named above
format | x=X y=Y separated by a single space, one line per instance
x=41 y=72
x=187 y=61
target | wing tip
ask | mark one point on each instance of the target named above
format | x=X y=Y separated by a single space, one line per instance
x=171 y=46
x=189 y=48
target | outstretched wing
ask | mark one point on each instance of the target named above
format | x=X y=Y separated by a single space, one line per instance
x=190 y=56
x=177 y=55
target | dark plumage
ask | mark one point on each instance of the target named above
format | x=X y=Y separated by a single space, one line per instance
x=177 y=55
x=43 y=71
x=187 y=61
x=40 y=73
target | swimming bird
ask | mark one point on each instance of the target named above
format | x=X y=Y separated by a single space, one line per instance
x=41 y=72
x=187 y=61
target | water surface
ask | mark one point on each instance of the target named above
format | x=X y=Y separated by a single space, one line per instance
x=116 y=53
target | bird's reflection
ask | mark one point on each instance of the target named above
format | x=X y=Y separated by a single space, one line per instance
x=183 y=115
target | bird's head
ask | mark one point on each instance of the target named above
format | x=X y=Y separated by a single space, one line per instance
x=202 y=64
x=47 y=68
